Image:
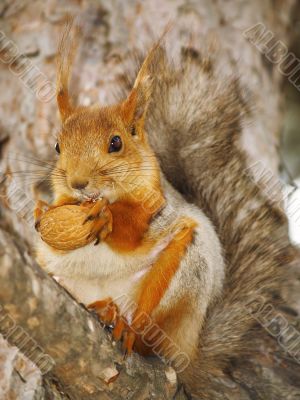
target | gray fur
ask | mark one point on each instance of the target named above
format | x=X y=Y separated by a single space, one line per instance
x=194 y=124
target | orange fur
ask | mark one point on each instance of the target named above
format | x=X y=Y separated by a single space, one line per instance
x=65 y=58
x=65 y=199
x=154 y=286
x=168 y=321
x=160 y=275
x=106 y=309
x=131 y=222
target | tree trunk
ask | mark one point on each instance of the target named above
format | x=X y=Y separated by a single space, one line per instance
x=76 y=358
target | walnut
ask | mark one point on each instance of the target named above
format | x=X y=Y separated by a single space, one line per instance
x=63 y=228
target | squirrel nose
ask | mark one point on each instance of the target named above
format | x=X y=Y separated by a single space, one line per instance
x=79 y=184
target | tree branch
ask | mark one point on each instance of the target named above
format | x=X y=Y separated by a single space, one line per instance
x=67 y=343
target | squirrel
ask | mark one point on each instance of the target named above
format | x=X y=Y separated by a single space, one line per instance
x=157 y=264
x=193 y=270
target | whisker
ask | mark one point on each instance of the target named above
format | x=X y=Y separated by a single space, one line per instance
x=45 y=168
x=120 y=173
x=35 y=173
x=126 y=167
x=31 y=156
x=22 y=158
x=122 y=163
x=47 y=164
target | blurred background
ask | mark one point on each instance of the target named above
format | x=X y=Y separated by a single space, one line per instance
x=291 y=143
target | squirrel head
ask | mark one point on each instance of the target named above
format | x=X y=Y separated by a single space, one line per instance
x=104 y=151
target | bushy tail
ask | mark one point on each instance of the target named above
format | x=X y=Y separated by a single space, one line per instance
x=195 y=124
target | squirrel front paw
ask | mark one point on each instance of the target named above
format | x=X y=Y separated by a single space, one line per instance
x=101 y=216
x=40 y=208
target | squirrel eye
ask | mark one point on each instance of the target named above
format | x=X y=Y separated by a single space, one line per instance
x=57 y=148
x=115 y=144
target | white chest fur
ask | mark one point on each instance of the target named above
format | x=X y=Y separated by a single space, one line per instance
x=120 y=289
x=94 y=273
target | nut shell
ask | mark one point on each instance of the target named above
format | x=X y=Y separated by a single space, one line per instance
x=63 y=228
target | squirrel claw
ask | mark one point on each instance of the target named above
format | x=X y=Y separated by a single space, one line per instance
x=86 y=220
x=106 y=310
x=41 y=207
x=96 y=211
x=123 y=331
x=101 y=228
x=37 y=225
x=128 y=341
x=125 y=355
x=91 y=217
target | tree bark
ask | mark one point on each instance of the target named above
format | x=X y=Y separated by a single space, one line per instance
x=82 y=351
x=67 y=344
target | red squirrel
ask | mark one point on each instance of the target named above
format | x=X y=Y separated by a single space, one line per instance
x=153 y=248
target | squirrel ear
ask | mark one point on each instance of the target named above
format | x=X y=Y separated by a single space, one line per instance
x=65 y=59
x=135 y=106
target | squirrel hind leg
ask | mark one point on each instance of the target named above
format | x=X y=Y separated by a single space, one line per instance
x=180 y=328
x=106 y=310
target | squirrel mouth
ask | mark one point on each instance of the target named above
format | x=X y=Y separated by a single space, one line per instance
x=104 y=192
x=92 y=196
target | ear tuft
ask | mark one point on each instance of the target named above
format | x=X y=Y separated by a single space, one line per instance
x=65 y=59
x=143 y=90
x=135 y=106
